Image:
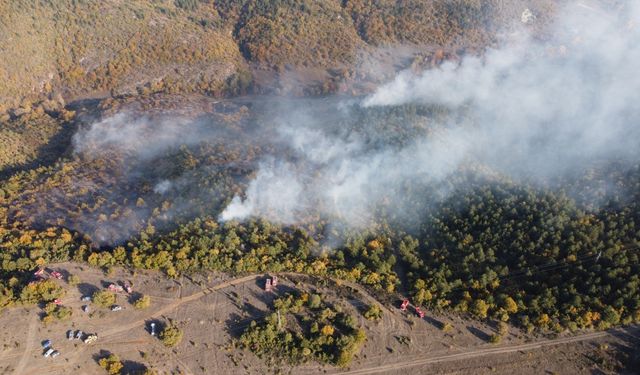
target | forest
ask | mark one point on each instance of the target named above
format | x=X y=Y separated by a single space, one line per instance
x=546 y=257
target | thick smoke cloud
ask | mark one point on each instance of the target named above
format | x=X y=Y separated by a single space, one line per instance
x=534 y=110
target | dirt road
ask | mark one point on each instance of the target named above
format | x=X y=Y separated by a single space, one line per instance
x=371 y=367
x=480 y=352
x=175 y=304
x=29 y=346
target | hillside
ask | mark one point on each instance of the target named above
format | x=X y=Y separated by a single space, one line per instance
x=82 y=48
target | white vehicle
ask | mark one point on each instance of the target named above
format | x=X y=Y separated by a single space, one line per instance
x=153 y=329
x=78 y=335
x=70 y=334
x=55 y=354
x=85 y=308
x=116 y=308
x=91 y=338
x=48 y=352
x=86 y=298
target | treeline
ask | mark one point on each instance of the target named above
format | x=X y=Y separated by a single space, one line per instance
x=551 y=258
x=507 y=251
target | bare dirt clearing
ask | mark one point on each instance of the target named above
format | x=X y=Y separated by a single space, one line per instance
x=212 y=309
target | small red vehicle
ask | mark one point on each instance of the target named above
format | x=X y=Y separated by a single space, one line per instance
x=115 y=288
x=57 y=275
x=404 y=304
x=419 y=312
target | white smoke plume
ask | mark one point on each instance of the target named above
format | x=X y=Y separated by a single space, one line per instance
x=536 y=109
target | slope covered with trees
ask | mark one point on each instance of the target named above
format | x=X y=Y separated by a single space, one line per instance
x=81 y=49
x=539 y=255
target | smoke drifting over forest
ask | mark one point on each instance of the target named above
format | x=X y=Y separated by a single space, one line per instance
x=530 y=111
x=533 y=110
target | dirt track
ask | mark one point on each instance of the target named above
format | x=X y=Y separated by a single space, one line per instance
x=476 y=353
x=479 y=352
x=31 y=338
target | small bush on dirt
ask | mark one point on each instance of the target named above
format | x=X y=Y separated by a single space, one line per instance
x=142 y=303
x=112 y=364
x=374 y=312
x=104 y=298
x=495 y=338
x=171 y=335
x=55 y=312
x=73 y=280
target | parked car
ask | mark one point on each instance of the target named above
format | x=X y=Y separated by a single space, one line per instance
x=85 y=308
x=90 y=338
x=116 y=308
x=153 y=329
x=46 y=344
x=48 y=352
x=70 y=334
x=55 y=354
x=86 y=299
x=79 y=334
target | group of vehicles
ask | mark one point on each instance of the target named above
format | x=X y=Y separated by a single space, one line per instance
x=48 y=350
x=87 y=338
x=405 y=304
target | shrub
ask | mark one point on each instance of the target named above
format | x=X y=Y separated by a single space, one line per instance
x=495 y=338
x=112 y=364
x=374 y=312
x=142 y=303
x=73 y=280
x=171 y=335
x=186 y=4
x=104 y=298
x=41 y=291
x=315 y=301
x=503 y=328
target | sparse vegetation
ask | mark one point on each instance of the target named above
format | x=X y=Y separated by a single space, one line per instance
x=73 y=280
x=104 y=298
x=142 y=302
x=373 y=312
x=328 y=333
x=171 y=335
x=111 y=364
x=55 y=312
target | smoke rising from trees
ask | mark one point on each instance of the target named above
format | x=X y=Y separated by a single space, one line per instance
x=534 y=110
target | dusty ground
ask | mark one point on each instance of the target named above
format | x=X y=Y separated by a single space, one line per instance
x=211 y=309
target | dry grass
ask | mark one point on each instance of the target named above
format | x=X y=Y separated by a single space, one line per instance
x=85 y=48
x=81 y=48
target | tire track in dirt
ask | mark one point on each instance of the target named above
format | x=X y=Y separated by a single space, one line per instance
x=397 y=365
x=474 y=353
x=156 y=313
x=28 y=346
x=177 y=303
